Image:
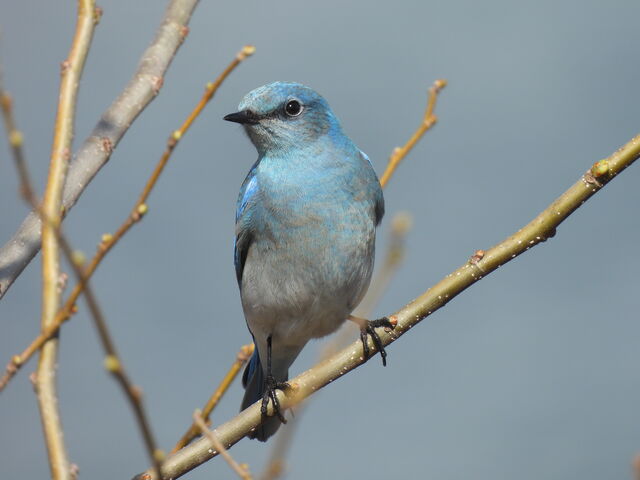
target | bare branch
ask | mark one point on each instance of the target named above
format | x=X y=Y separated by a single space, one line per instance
x=242 y=357
x=428 y=121
x=481 y=264
x=145 y=84
x=60 y=152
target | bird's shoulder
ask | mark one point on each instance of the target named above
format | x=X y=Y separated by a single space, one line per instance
x=248 y=191
x=243 y=239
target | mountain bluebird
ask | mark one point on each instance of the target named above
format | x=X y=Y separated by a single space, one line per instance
x=305 y=234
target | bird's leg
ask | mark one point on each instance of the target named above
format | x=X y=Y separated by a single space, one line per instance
x=270 y=389
x=367 y=327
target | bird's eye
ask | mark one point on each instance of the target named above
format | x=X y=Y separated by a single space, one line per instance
x=293 y=108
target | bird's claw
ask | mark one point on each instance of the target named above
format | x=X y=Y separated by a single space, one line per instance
x=369 y=329
x=270 y=394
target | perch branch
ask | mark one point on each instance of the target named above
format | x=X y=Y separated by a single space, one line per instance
x=145 y=84
x=481 y=264
x=108 y=240
x=45 y=383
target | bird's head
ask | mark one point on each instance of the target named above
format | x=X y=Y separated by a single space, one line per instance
x=284 y=115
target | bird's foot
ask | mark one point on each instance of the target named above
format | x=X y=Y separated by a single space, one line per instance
x=367 y=327
x=270 y=394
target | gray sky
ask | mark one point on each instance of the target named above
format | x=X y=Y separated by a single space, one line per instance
x=530 y=374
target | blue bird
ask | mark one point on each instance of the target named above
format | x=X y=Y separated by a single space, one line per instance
x=305 y=234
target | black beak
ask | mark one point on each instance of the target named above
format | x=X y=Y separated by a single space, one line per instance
x=244 y=116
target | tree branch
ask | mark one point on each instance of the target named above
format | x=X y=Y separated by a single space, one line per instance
x=145 y=84
x=481 y=264
x=60 y=151
x=428 y=121
x=242 y=358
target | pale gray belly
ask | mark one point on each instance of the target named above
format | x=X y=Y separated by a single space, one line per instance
x=304 y=284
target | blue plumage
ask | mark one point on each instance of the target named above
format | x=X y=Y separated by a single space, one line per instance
x=305 y=231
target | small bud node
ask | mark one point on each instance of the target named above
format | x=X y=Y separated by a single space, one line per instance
x=111 y=363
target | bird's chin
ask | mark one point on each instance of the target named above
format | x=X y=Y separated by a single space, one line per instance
x=258 y=136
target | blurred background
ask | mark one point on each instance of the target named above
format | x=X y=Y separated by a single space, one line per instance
x=531 y=374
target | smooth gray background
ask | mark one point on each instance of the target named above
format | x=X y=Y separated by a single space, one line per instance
x=531 y=374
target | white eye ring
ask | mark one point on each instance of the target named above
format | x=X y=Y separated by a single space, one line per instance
x=293 y=107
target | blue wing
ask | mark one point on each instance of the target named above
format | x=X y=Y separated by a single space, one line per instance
x=243 y=239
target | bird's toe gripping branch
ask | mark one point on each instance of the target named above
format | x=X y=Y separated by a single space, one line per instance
x=270 y=394
x=367 y=327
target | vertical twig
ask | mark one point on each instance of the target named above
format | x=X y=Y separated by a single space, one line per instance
x=45 y=383
x=112 y=361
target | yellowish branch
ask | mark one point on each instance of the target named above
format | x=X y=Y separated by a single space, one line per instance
x=428 y=121
x=60 y=152
x=243 y=357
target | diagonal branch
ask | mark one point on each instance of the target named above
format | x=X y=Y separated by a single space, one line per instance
x=428 y=121
x=144 y=85
x=60 y=152
x=481 y=264
x=242 y=357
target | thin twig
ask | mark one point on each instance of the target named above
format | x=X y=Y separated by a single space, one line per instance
x=241 y=470
x=108 y=240
x=428 y=121
x=242 y=357
x=45 y=383
x=15 y=142
x=144 y=86
x=480 y=265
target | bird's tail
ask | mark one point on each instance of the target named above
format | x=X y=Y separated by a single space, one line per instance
x=253 y=380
